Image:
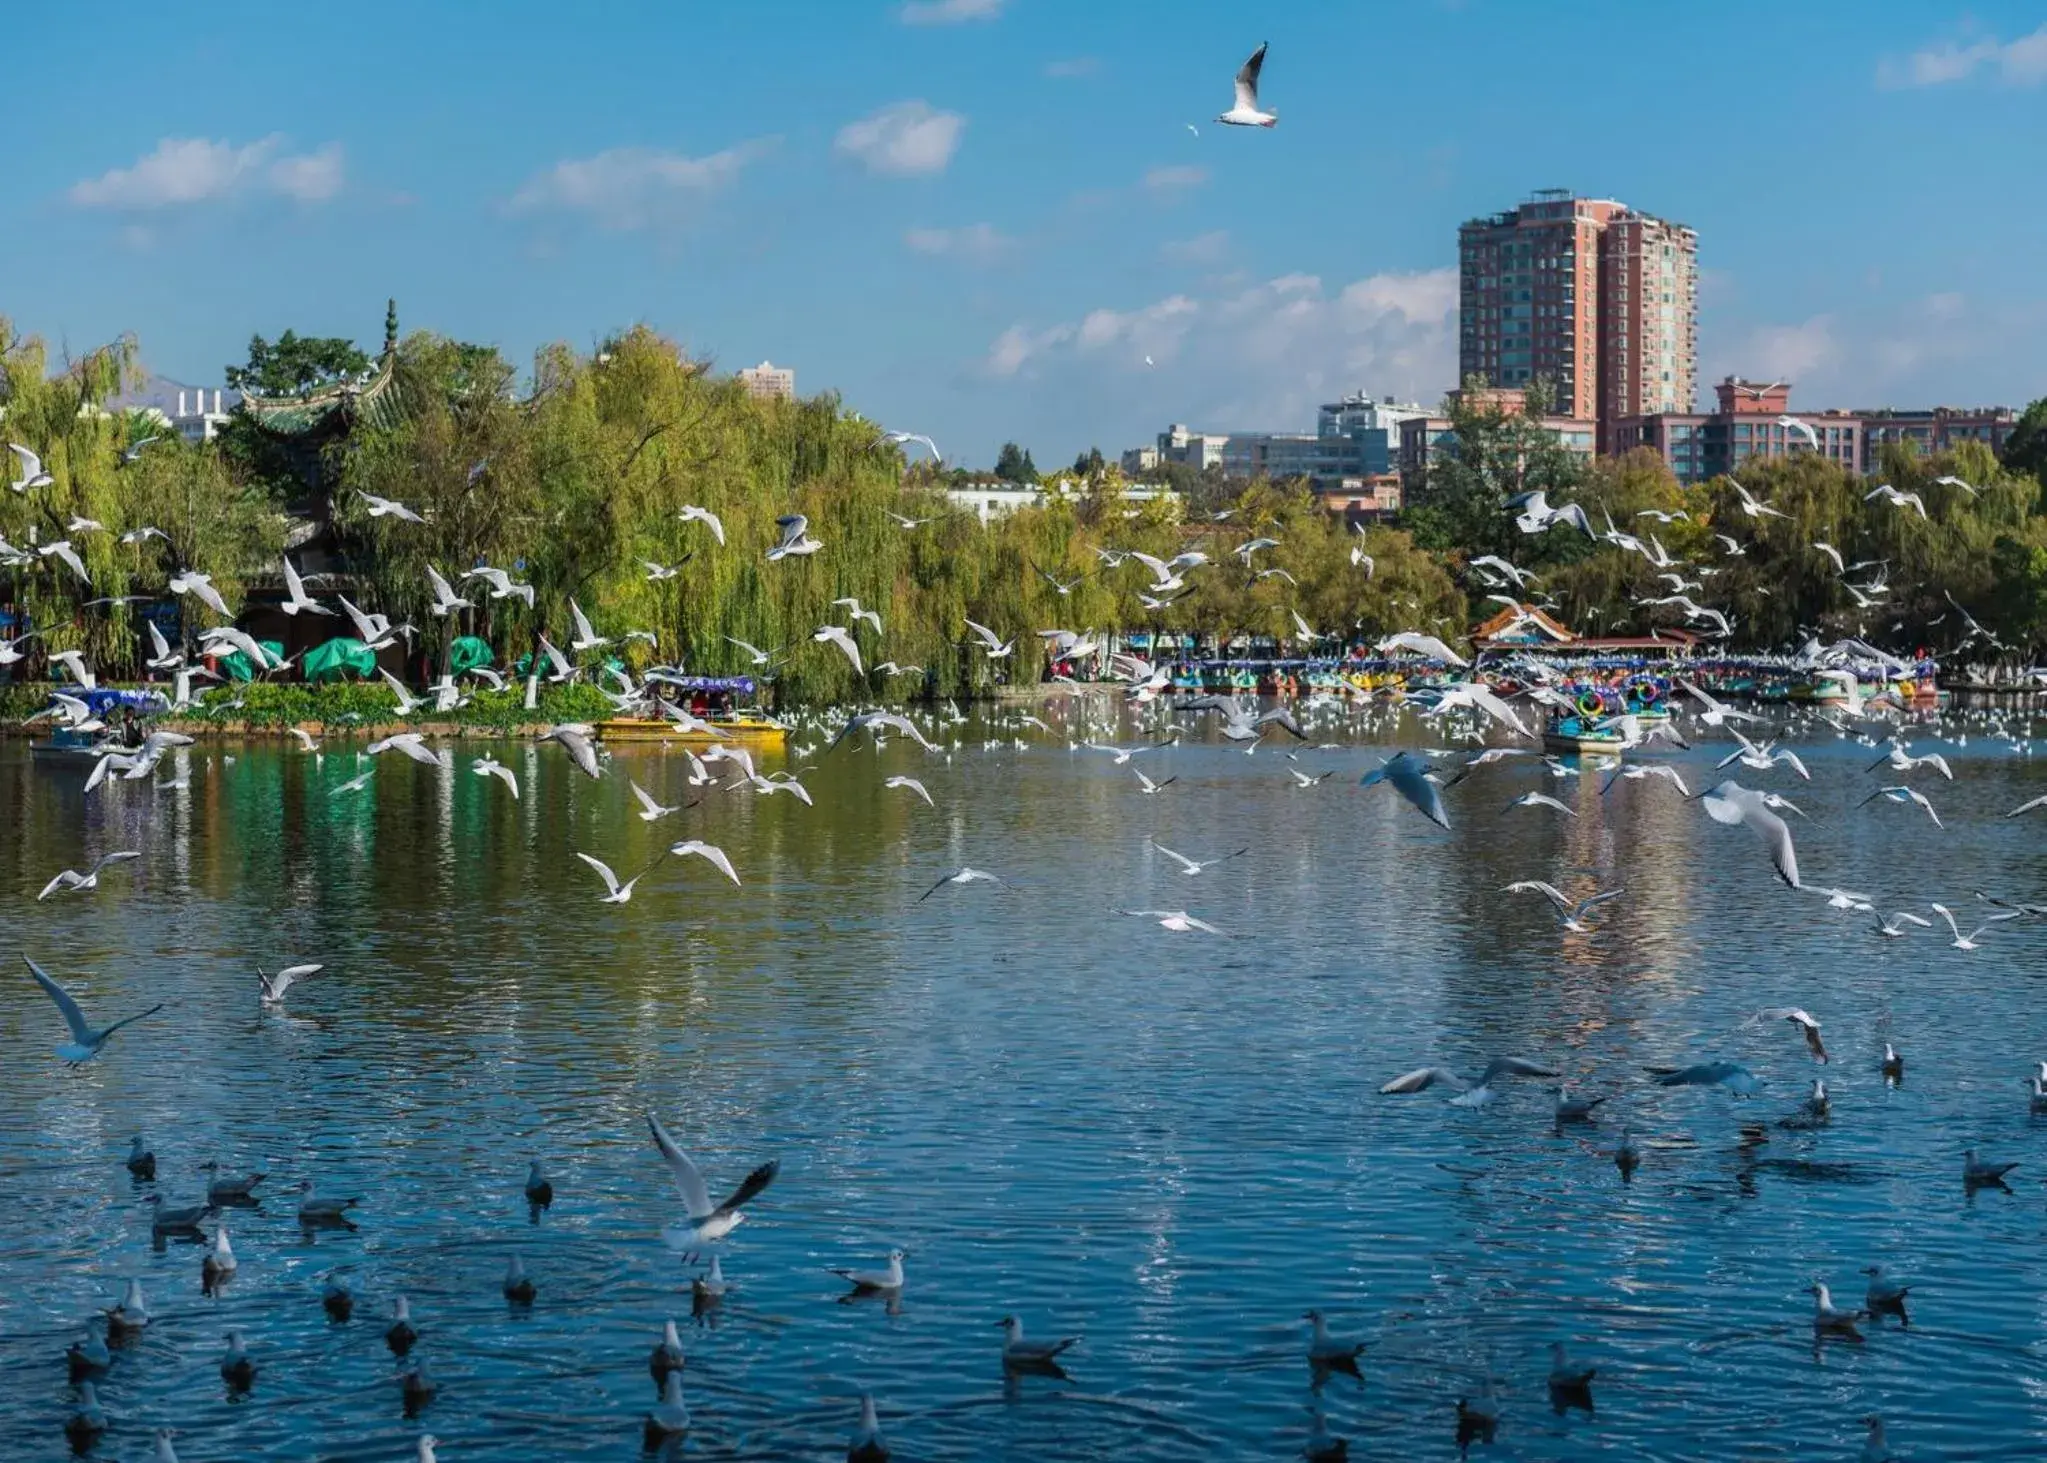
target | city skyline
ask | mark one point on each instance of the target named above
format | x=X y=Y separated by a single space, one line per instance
x=978 y=220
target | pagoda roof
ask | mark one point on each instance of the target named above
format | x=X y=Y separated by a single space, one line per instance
x=373 y=399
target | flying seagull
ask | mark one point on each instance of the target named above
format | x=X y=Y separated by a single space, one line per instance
x=690 y=513
x=1730 y=802
x=1190 y=866
x=274 y=986
x=795 y=540
x=710 y=853
x=86 y=1040
x=616 y=893
x=1807 y=1024
x=1570 y=915
x=840 y=636
x=1245 y=111
x=1471 y=1094
x=1732 y=1075
x=708 y=1222
x=1179 y=921
x=71 y=881
x=389 y=507
x=1408 y=774
x=912 y=785
x=964 y=876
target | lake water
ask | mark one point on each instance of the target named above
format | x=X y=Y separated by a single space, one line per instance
x=1170 y=1145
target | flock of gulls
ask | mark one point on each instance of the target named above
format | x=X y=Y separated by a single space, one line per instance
x=1466 y=712
x=1463 y=774
x=1436 y=780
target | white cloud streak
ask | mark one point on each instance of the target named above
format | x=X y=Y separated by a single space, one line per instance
x=1171 y=181
x=903 y=139
x=2021 y=62
x=975 y=243
x=635 y=187
x=185 y=171
x=1265 y=353
x=949 y=12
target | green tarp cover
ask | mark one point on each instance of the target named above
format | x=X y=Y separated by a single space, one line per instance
x=467 y=653
x=237 y=664
x=328 y=662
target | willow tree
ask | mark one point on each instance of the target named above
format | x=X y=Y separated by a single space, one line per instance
x=459 y=453
x=112 y=474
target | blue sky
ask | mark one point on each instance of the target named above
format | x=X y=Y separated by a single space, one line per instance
x=976 y=218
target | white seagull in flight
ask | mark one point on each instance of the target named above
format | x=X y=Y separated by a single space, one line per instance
x=86 y=1040
x=71 y=881
x=708 y=1222
x=1471 y=1094
x=690 y=513
x=1730 y=802
x=1245 y=111
x=1570 y=915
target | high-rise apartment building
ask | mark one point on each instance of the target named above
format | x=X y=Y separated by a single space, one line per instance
x=1648 y=320
x=1587 y=295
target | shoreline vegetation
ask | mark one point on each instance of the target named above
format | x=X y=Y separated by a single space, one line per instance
x=577 y=484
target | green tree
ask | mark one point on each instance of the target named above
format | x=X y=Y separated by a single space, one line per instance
x=2026 y=449
x=1014 y=465
x=296 y=363
x=1491 y=455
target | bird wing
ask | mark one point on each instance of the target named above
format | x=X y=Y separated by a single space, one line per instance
x=751 y=1185
x=73 y=1017
x=603 y=871
x=708 y=852
x=986 y=634
x=1179 y=858
x=583 y=630
x=1949 y=915
x=688 y=1178
x=1548 y=891
x=1280 y=717
x=1409 y=781
x=580 y=751
x=646 y=799
x=120 y=856
x=1514 y=1067
x=1424 y=1077
x=1247 y=80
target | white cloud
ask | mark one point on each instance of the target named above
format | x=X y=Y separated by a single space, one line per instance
x=1174 y=180
x=312 y=177
x=1942 y=347
x=1208 y=248
x=2022 y=62
x=1790 y=352
x=633 y=187
x=903 y=138
x=189 y=170
x=1262 y=354
x=975 y=243
x=948 y=12
x=1072 y=67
